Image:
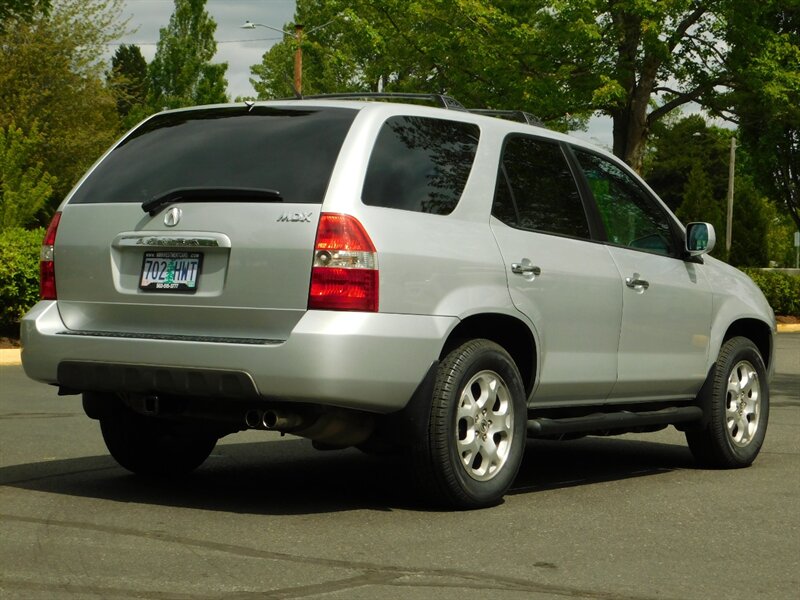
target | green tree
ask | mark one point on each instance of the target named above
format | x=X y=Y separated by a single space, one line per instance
x=130 y=82
x=751 y=226
x=699 y=204
x=401 y=46
x=181 y=73
x=25 y=186
x=52 y=81
x=780 y=239
x=766 y=100
x=22 y=10
x=635 y=61
x=677 y=147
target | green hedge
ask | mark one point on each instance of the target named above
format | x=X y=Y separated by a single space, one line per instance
x=19 y=272
x=781 y=289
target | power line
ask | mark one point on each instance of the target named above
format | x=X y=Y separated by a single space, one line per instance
x=273 y=39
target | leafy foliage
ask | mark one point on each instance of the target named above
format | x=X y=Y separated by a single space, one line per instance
x=24 y=184
x=634 y=61
x=700 y=204
x=766 y=100
x=688 y=168
x=12 y=10
x=781 y=290
x=130 y=82
x=677 y=148
x=181 y=73
x=19 y=272
x=51 y=81
x=750 y=226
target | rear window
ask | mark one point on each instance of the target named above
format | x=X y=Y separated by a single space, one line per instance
x=291 y=150
x=420 y=164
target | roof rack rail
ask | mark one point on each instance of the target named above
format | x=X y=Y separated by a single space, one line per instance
x=443 y=100
x=511 y=115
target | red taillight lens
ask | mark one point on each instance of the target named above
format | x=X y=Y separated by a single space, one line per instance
x=47 y=269
x=345 y=271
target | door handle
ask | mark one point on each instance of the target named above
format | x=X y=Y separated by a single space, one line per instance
x=525 y=269
x=636 y=283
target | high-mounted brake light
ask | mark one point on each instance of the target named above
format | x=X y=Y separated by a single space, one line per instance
x=47 y=269
x=345 y=271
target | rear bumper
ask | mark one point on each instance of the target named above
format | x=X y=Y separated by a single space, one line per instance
x=366 y=361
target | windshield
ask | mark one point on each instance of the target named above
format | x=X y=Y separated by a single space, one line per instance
x=288 y=150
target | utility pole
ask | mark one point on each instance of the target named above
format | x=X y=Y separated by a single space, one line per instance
x=298 y=38
x=298 y=60
x=729 y=223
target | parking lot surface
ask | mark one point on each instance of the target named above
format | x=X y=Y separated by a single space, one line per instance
x=267 y=517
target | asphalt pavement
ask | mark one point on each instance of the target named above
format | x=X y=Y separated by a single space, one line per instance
x=267 y=517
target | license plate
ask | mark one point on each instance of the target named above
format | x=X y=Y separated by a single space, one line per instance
x=170 y=271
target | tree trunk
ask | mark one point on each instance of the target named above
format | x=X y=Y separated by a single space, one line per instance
x=637 y=77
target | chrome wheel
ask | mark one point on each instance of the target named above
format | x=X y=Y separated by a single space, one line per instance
x=735 y=400
x=743 y=406
x=484 y=425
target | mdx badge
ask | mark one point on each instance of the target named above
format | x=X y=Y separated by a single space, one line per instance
x=173 y=216
x=297 y=217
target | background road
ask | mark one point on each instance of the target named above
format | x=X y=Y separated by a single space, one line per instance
x=269 y=517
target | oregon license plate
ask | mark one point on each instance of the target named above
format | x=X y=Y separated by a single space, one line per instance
x=170 y=271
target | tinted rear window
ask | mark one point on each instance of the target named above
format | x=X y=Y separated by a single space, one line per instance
x=285 y=149
x=420 y=164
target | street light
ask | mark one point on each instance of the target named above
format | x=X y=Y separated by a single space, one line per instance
x=298 y=53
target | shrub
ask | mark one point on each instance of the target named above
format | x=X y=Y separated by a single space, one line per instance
x=19 y=272
x=781 y=289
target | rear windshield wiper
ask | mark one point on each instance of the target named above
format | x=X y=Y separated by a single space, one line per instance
x=208 y=194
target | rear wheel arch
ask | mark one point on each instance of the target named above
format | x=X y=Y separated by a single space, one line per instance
x=511 y=333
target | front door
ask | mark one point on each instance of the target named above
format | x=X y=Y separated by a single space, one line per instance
x=667 y=304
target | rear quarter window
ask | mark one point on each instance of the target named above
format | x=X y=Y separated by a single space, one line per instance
x=291 y=150
x=420 y=164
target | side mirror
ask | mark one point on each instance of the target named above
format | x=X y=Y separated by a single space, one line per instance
x=700 y=238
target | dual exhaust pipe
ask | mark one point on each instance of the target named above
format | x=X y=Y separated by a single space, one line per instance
x=273 y=420
x=335 y=428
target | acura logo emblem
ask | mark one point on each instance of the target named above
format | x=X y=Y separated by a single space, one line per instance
x=173 y=216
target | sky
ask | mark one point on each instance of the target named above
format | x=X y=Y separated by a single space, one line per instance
x=241 y=48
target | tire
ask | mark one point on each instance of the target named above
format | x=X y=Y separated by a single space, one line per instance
x=151 y=447
x=475 y=438
x=738 y=408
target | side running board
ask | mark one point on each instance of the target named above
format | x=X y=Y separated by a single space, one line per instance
x=611 y=421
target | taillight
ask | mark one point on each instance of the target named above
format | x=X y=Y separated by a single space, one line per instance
x=345 y=271
x=47 y=269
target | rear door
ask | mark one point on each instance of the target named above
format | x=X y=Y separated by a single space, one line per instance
x=567 y=285
x=228 y=252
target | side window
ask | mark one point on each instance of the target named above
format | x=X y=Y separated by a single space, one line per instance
x=631 y=217
x=420 y=164
x=536 y=191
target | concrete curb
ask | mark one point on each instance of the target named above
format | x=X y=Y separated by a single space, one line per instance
x=10 y=356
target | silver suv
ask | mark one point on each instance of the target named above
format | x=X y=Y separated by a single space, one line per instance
x=394 y=277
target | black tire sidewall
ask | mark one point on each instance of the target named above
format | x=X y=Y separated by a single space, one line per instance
x=733 y=352
x=459 y=367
